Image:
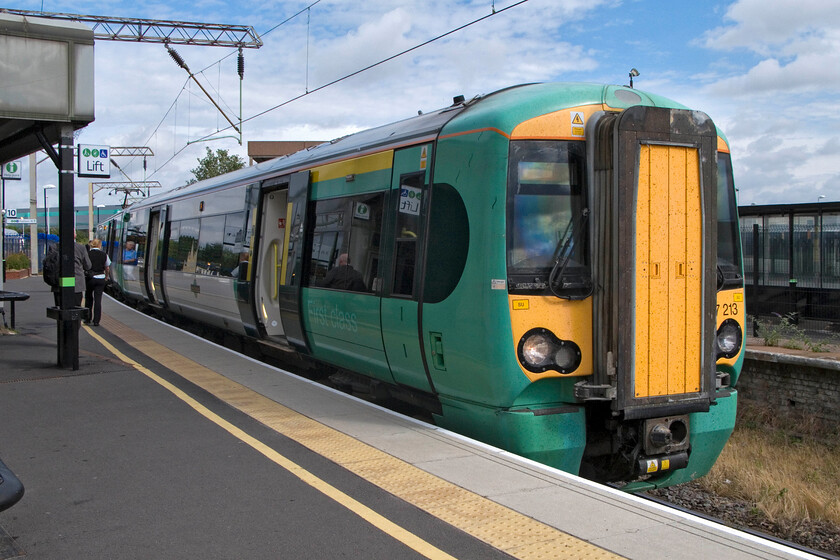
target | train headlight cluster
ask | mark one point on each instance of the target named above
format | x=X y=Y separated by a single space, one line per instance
x=539 y=351
x=729 y=339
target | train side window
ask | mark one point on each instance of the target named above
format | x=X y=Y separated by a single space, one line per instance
x=345 y=243
x=408 y=227
x=234 y=247
x=135 y=241
x=187 y=248
x=210 y=240
x=172 y=248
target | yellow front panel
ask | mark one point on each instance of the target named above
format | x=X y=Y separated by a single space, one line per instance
x=566 y=124
x=568 y=320
x=669 y=247
x=730 y=305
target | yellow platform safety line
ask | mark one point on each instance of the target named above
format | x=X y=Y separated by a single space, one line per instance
x=504 y=529
x=409 y=539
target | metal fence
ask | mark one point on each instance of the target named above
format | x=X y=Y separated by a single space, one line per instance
x=13 y=244
x=792 y=263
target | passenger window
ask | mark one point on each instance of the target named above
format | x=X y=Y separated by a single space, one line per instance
x=210 y=240
x=172 y=249
x=234 y=249
x=345 y=243
x=135 y=240
x=186 y=251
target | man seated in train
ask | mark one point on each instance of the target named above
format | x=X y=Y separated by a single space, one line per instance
x=344 y=277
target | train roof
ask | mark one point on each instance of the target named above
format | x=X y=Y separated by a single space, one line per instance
x=406 y=131
x=505 y=108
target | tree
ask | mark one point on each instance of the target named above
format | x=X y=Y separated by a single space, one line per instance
x=214 y=164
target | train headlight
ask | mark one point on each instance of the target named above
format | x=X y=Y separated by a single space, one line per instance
x=537 y=350
x=567 y=356
x=540 y=351
x=729 y=339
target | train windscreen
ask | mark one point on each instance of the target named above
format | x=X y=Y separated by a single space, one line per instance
x=547 y=215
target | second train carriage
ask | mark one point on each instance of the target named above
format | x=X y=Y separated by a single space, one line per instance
x=554 y=269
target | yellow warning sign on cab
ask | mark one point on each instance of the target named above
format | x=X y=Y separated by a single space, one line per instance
x=577 y=122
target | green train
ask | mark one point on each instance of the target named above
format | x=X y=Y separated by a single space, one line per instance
x=554 y=269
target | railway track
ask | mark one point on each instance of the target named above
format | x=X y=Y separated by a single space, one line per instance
x=733 y=509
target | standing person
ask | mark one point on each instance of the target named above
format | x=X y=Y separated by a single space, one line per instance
x=81 y=264
x=100 y=271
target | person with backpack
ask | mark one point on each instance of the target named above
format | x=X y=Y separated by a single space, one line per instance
x=51 y=266
x=52 y=271
x=100 y=271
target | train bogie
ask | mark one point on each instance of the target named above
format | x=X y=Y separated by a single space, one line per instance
x=553 y=269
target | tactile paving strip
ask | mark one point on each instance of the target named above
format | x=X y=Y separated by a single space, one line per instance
x=503 y=528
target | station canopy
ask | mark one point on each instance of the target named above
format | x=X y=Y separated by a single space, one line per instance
x=47 y=82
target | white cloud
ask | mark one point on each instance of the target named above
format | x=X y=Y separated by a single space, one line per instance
x=766 y=72
x=776 y=91
x=764 y=25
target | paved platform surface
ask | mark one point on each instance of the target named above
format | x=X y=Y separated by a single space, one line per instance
x=163 y=445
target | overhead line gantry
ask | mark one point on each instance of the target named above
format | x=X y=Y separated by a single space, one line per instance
x=158 y=31
x=168 y=33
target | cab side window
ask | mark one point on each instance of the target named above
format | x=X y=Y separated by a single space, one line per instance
x=408 y=227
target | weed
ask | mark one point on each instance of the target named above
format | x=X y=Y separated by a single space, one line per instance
x=785 y=333
x=787 y=468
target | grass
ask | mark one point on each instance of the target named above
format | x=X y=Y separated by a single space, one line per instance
x=788 y=469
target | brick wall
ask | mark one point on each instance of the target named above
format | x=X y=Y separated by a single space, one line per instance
x=795 y=385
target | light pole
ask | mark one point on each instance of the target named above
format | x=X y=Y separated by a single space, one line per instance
x=46 y=214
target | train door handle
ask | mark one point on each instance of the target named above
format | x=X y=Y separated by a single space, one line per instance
x=436 y=340
x=275 y=283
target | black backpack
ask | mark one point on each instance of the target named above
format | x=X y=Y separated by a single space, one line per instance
x=51 y=268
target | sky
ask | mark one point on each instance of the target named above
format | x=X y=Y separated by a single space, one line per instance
x=766 y=71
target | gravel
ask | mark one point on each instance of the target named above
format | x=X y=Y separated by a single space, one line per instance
x=817 y=535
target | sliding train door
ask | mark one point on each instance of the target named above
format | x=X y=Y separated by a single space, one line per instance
x=154 y=265
x=400 y=308
x=267 y=277
x=277 y=276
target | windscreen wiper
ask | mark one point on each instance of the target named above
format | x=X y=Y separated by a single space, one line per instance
x=563 y=254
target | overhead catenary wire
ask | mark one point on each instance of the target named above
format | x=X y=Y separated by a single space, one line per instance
x=493 y=13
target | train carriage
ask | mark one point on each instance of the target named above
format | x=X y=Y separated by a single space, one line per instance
x=554 y=269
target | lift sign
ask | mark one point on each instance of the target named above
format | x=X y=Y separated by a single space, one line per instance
x=94 y=161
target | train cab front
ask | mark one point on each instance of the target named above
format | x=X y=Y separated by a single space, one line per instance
x=614 y=280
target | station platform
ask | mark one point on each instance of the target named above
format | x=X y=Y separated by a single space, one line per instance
x=164 y=445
